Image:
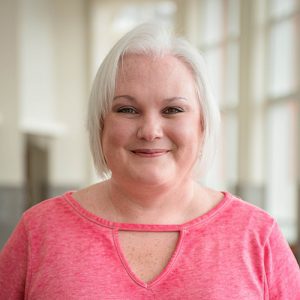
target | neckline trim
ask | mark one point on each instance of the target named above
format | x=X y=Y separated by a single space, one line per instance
x=202 y=219
x=166 y=270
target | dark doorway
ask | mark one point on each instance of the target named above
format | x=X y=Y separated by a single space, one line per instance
x=37 y=158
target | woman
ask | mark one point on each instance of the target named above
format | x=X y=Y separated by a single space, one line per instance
x=149 y=231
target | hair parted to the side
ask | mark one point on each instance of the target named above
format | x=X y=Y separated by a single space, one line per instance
x=152 y=40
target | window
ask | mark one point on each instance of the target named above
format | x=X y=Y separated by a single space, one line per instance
x=282 y=113
x=219 y=43
x=253 y=50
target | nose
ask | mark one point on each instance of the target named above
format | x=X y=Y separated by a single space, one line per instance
x=150 y=128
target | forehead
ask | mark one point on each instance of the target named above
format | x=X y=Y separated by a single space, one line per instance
x=146 y=69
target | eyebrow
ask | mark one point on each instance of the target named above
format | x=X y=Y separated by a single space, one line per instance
x=167 y=99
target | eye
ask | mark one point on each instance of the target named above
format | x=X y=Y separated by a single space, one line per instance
x=126 y=110
x=172 y=110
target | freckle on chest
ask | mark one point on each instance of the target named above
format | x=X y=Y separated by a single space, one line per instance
x=147 y=253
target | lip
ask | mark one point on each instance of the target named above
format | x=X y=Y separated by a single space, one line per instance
x=149 y=152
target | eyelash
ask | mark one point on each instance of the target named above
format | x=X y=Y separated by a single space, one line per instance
x=126 y=110
x=171 y=110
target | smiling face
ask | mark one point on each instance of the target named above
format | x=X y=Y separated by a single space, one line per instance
x=152 y=135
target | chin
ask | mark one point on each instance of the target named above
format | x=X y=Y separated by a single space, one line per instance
x=152 y=178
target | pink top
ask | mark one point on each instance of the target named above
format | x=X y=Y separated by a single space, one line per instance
x=59 y=250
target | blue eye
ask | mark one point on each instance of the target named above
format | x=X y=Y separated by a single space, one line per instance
x=172 y=110
x=126 y=110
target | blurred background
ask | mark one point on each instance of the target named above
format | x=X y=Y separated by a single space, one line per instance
x=50 y=51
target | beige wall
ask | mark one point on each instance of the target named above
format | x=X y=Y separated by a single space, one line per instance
x=69 y=151
x=44 y=90
x=11 y=144
x=43 y=94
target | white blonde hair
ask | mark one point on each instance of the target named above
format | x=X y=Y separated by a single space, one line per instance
x=151 y=40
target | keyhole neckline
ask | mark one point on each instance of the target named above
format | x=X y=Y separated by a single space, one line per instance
x=166 y=270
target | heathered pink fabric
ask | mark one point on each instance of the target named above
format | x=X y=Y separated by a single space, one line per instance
x=61 y=251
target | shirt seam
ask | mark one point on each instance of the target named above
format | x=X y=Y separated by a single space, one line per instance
x=213 y=215
x=155 y=227
x=122 y=259
x=266 y=283
x=82 y=214
x=165 y=271
x=172 y=261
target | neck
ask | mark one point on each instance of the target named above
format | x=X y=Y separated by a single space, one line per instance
x=151 y=204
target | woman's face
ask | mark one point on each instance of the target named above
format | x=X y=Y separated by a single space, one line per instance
x=153 y=134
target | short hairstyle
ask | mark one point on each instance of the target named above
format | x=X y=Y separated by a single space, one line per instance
x=151 y=40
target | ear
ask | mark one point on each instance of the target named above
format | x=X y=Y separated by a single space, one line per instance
x=202 y=123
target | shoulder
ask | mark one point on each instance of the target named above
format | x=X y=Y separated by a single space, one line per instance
x=247 y=218
x=47 y=211
x=36 y=222
x=246 y=208
x=47 y=204
x=238 y=210
x=251 y=211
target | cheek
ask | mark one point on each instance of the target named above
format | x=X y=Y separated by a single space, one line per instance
x=189 y=132
x=115 y=134
x=189 y=141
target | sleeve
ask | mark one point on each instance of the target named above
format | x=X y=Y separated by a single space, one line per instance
x=13 y=264
x=281 y=268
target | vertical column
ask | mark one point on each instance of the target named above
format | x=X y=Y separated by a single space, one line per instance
x=69 y=155
x=250 y=160
x=11 y=145
x=187 y=19
x=298 y=140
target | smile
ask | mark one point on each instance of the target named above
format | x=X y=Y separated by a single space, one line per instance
x=150 y=152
